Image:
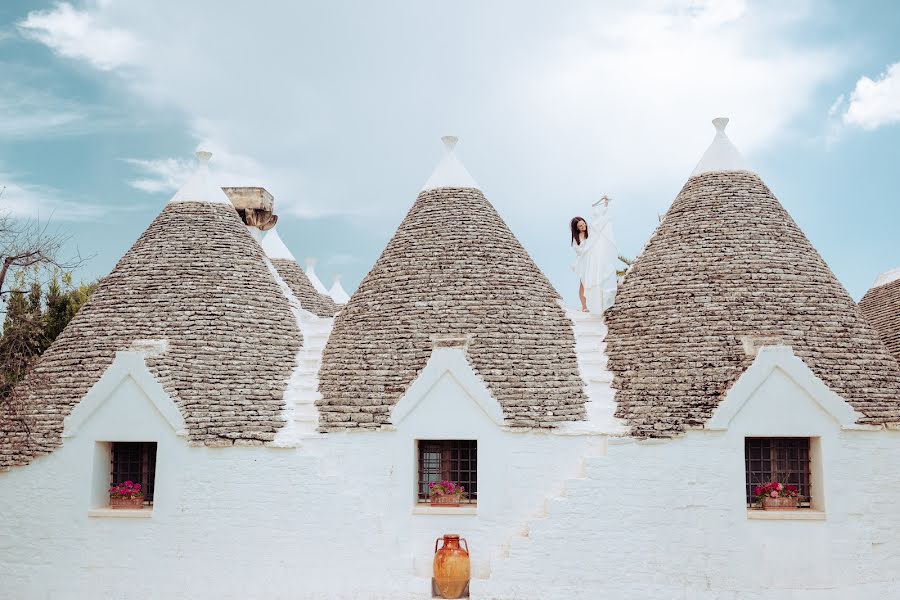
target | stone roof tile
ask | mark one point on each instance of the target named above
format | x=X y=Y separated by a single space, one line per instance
x=452 y=268
x=197 y=279
x=881 y=307
x=728 y=264
x=310 y=299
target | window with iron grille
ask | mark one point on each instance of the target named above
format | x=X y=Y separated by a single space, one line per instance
x=785 y=460
x=134 y=461
x=450 y=460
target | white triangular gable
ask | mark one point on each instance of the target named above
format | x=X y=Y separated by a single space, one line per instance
x=779 y=377
x=127 y=364
x=448 y=363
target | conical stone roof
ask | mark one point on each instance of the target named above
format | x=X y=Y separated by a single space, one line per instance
x=728 y=265
x=196 y=284
x=287 y=267
x=881 y=307
x=453 y=268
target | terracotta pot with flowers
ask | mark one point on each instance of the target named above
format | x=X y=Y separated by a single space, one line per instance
x=445 y=493
x=773 y=495
x=126 y=495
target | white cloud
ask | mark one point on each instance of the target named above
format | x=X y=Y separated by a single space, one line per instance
x=339 y=112
x=837 y=105
x=307 y=107
x=23 y=200
x=82 y=35
x=623 y=105
x=874 y=104
x=159 y=175
x=711 y=13
x=26 y=113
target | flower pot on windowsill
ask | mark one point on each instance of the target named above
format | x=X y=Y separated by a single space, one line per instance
x=127 y=503
x=781 y=503
x=449 y=500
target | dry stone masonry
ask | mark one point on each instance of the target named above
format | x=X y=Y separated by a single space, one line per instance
x=311 y=300
x=452 y=268
x=197 y=280
x=881 y=307
x=728 y=263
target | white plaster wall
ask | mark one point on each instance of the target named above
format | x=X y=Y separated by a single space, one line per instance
x=334 y=518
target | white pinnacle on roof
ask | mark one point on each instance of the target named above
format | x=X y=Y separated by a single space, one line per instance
x=721 y=154
x=887 y=277
x=199 y=187
x=313 y=278
x=337 y=291
x=449 y=172
x=273 y=246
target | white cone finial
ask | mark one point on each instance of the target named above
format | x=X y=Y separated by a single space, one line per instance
x=887 y=277
x=274 y=247
x=721 y=154
x=450 y=172
x=337 y=291
x=199 y=186
x=313 y=278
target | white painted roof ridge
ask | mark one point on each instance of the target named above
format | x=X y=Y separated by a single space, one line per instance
x=721 y=154
x=313 y=278
x=450 y=172
x=199 y=186
x=887 y=277
x=337 y=291
x=274 y=247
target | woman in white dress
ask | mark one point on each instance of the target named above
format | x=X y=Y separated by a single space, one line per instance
x=596 y=256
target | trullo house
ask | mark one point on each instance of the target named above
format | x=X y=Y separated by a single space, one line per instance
x=286 y=445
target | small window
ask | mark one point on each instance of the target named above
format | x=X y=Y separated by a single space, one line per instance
x=785 y=460
x=451 y=460
x=134 y=461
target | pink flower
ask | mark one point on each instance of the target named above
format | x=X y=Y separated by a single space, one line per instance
x=779 y=487
x=774 y=493
x=757 y=491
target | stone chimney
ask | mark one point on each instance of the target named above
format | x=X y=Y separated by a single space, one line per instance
x=255 y=206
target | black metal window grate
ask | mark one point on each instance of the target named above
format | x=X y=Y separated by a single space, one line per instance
x=134 y=461
x=452 y=460
x=785 y=460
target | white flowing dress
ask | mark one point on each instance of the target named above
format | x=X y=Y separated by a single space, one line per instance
x=596 y=261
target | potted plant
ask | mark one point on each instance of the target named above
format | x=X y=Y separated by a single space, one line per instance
x=773 y=495
x=445 y=493
x=126 y=495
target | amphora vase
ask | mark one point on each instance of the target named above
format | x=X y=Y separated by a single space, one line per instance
x=451 y=566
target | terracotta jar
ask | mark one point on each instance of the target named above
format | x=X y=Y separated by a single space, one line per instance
x=130 y=503
x=451 y=567
x=783 y=503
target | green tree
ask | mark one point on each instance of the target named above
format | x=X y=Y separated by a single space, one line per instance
x=35 y=315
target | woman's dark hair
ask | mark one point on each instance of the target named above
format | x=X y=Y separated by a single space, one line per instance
x=574 y=227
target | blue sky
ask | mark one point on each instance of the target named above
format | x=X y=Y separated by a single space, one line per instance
x=337 y=108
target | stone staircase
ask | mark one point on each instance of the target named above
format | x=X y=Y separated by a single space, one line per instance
x=519 y=556
x=304 y=383
x=303 y=386
x=590 y=348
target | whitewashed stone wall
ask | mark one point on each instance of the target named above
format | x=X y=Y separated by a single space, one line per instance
x=558 y=516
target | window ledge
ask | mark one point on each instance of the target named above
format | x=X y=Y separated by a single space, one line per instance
x=801 y=514
x=121 y=513
x=427 y=509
